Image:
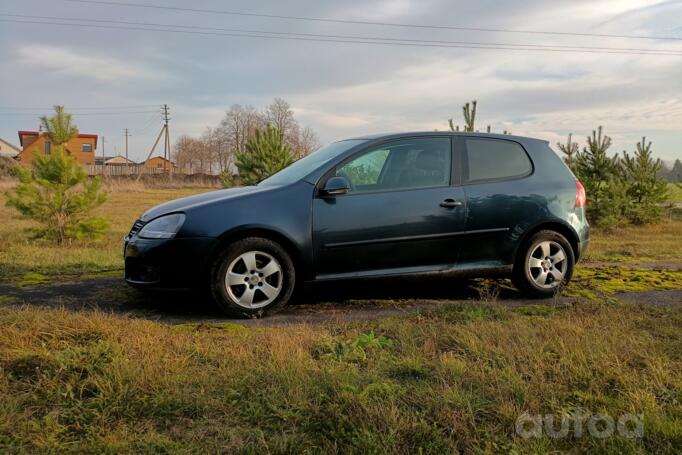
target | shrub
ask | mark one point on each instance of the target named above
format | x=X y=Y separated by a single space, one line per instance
x=58 y=194
x=265 y=154
x=8 y=167
x=602 y=177
x=570 y=149
x=228 y=179
x=645 y=189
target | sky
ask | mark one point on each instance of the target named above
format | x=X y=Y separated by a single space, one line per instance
x=116 y=78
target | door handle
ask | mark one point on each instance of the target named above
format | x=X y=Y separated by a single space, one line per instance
x=450 y=203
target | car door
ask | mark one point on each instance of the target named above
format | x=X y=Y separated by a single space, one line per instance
x=501 y=199
x=405 y=211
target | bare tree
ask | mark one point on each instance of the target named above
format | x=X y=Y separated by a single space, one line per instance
x=216 y=149
x=305 y=143
x=238 y=125
x=182 y=153
x=280 y=115
x=212 y=150
x=192 y=155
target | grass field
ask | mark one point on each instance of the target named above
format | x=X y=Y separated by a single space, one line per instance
x=675 y=193
x=657 y=242
x=24 y=258
x=27 y=260
x=454 y=379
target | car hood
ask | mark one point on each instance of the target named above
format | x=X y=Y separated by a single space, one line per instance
x=186 y=203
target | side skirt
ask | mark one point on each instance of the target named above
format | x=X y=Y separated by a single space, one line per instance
x=464 y=270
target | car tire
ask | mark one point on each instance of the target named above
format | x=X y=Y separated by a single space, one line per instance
x=252 y=277
x=544 y=265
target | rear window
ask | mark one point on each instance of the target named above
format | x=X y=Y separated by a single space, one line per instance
x=492 y=159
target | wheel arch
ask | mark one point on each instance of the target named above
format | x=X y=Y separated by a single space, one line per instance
x=266 y=232
x=556 y=226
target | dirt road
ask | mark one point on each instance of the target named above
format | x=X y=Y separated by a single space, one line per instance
x=335 y=302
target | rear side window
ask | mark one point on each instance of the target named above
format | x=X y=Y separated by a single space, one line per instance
x=492 y=159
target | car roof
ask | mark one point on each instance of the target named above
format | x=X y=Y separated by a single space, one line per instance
x=372 y=137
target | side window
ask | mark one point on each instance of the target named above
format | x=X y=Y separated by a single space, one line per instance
x=366 y=169
x=87 y=147
x=403 y=164
x=48 y=147
x=496 y=159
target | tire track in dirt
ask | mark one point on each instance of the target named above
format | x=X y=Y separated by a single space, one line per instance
x=316 y=304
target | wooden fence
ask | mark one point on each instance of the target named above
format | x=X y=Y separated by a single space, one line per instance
x=98 y=169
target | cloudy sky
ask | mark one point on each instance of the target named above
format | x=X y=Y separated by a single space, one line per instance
x=115 y=78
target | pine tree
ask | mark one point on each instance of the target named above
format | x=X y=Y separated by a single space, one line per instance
x=264 y=155
x=59 y=127
x=469 y=112
x=453 y=127
x=570 y=149
x=57 y=192
x=602 y=177
x=646 y=190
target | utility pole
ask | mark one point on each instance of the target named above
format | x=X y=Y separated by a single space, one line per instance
x=127 y=135
x=103 y=141
x=166 y=144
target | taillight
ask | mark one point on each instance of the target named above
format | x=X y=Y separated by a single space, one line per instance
x=580 y=197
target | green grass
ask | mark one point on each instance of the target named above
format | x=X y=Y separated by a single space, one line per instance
x=21 y=255
x=606 y=280
x=675 y=192
x=7 y=299
x=455 y=379
x=656 y=242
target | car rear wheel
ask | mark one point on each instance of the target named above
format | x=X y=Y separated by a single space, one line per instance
x=253 y=276
x=544 y=265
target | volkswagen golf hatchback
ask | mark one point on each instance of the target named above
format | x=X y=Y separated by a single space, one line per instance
x=367 y=207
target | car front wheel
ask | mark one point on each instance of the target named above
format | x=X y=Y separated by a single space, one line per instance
x=544 y=265
x=253 y=276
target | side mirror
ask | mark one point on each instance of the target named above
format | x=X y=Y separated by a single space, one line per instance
x=335 y=186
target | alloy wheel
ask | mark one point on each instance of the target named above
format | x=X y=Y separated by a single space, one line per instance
x=254 y=279
x=547 y=264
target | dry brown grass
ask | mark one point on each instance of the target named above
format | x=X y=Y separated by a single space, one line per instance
x=20 y=254
x=662 y=241
x=452 y=380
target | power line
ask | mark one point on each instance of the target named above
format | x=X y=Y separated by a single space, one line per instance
x=149 y=123
x=359 y=22
x=79 y=108
x=500 y=46
x=86 y=114
x=79 y=22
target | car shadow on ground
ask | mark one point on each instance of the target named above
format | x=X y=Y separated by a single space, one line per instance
x=386 y=296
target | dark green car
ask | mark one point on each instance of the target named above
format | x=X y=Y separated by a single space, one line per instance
x=369 y=207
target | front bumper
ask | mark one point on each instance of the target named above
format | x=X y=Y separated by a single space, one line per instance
x=179 y=263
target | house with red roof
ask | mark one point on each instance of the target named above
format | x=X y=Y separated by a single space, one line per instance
x=36 y=143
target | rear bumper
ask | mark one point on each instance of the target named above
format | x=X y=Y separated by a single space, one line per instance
x=582 y=247
x=166 y=263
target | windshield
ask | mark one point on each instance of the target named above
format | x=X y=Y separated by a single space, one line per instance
x=305 y=166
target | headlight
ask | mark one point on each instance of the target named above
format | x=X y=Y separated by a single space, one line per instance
x=164 y=227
